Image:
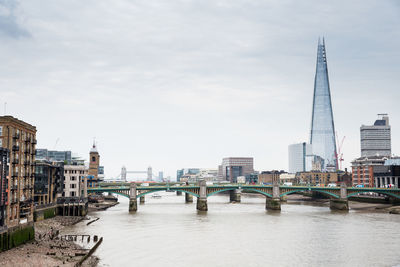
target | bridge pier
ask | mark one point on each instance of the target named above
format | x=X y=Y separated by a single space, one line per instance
x=202 y=199
x=342 y=203
x=188 y=198
x=142 y=200
x=234 y=195
x=132 y=198
x=274 y=203
x=339 y=204
x=179 y=193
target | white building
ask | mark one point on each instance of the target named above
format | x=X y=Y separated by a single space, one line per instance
x=376 y=139
x=297 y=157
x=73 y=177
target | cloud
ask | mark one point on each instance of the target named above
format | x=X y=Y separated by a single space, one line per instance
x=10 y=25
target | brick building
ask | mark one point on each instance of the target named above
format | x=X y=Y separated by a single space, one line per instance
x=270 y=177
x=19 y=138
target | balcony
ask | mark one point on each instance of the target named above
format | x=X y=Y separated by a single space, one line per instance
x=27 y=150
x=15 y=148
x=16 y=136
x=15 y=161
x=34 y=141
x=27 y=162
x=27 y=140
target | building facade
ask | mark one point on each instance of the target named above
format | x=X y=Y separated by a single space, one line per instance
x=3 y=185
x=54 y=155
x=185 y=172
x=49 y=182
x=270 y=177
x=298 y=157
x=322 y=135
x=73 y=177
x=363 y=169
x=19 y=138
x=387 y=176
x=376 y=139
x=233 y=167
x=317 y=177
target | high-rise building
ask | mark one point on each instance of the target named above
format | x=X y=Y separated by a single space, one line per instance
x=322 y=135
x=19 y=138
x=298 y=157
x=375 y=139
x=234 y=167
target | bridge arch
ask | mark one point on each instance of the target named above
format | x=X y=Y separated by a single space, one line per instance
x=219 y=191
x=372 y=191
x=163 y=189
x=327 y=193
x=258 y=191
x=119 y=193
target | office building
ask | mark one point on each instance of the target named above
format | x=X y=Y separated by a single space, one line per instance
x=19 y=138
x=49 y=182
x=298 y=157
x=3 y=185
x=376 y=139
x=233 y=167
x=363 y=169
x=322 y=135
x=53 y=155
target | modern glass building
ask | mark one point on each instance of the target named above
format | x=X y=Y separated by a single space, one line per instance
x=322 y=136
x=298 y=157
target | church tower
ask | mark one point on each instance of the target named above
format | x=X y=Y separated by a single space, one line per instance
x=94 y=162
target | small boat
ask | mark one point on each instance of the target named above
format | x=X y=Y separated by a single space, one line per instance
x=155 y=195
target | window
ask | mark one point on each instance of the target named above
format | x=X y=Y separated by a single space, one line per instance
x=94 y=159
x=1 y=130
x=72 y=186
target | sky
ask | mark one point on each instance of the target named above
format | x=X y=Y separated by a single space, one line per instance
x=180 y=84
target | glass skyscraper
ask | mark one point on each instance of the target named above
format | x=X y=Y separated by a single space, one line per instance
x=322 y=136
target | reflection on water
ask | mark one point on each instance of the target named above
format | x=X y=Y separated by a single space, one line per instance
x=168 y=232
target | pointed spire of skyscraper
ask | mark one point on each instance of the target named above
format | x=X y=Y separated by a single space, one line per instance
x=322 y=135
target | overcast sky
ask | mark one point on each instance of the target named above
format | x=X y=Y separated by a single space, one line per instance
x=177 y=84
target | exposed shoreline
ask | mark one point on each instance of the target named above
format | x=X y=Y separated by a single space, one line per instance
x=48 y=248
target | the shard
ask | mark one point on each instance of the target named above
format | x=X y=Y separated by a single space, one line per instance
x=322 y=136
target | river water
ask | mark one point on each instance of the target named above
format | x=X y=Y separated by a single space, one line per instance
x=168 y=232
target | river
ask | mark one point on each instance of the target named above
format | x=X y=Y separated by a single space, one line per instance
x=168 y=232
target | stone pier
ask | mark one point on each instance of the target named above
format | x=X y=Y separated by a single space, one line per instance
x=342 y=203
x=142 y=200
x=179 y=193
x=234 y=195
x=188 y=198
x=202 y=199
x=132 y=198
x=274 y=203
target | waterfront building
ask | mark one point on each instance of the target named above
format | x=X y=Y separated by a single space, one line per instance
x=317 y=177
x=73 y=180
x=298 y=157
x=19 y=138
x=376 y=139
x=322 y=135
x=270 y=177
x=49 y=182
x=233 y=167
x=363 y=169
x=53 y=155
x=345 y=177
x=251 y=178
x=186 y=171
x=288 y=178
x=3 y=185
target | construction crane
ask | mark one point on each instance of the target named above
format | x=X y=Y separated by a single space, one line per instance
x=339 y=153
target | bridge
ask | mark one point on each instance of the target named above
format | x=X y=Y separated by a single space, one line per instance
x=273 y=193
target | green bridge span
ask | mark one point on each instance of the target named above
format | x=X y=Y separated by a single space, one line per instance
x=273 y=193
